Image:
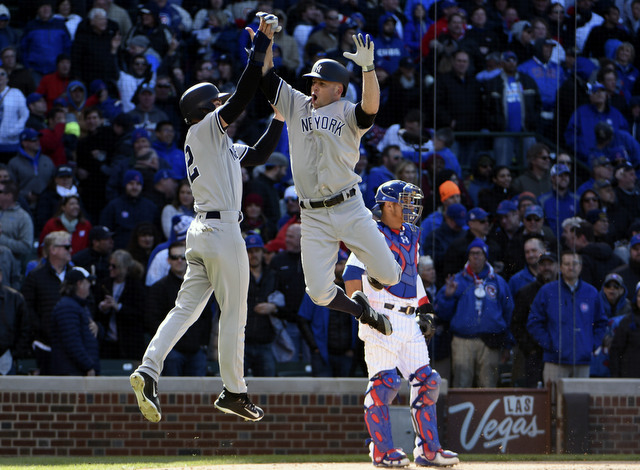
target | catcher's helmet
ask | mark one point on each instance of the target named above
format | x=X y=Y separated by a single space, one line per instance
x=331 y=71
x=197 y=101
x=408 y=195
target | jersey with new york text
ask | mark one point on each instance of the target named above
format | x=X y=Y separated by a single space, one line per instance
x=324 y=143
x=213 y=166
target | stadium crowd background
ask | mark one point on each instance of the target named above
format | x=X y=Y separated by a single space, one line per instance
x=523 y=114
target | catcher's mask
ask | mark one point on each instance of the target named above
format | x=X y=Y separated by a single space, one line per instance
x=408 y=195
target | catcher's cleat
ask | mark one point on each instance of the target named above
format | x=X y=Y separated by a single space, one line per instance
x=370 y=317
x=377 y=285
x=146 y=390
x=392 y=458
x=440 y=458
x=238 y=404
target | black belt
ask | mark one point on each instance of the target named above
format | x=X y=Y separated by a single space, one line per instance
x=216 y=215
x=329 y=202
x=405 y=310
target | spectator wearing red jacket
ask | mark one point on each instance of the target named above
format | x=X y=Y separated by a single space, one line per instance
x=69 y=219
x=55 y=84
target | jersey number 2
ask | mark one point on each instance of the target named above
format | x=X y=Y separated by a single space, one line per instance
x=191 y=173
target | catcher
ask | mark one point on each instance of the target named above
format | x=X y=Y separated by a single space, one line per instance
x=411 y=315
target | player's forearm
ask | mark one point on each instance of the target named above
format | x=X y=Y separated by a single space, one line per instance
x=269 y=85
x=370 y=92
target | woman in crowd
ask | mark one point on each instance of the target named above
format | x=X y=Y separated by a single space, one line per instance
x=182 y=205
x=500 y=190
x=70 y=219
x=144 y=238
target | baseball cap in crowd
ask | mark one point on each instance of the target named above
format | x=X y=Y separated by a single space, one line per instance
x=448 y=4
x=534 y=210
x=477 y=213
x=100 y=232
x=506 y=206
x=97 y=85
x=64 y=170
x=225 y=59
x=76 y=274
x=448 y=189
x=548 y=256
x=559 y=169
x=5 y=14
x=146 y=87
x=277 y=159
x=34 y=97
x=29 y=134
x=613 y=277
x=635 y=240
x=179 y=225
x=253 y=198
x=161 y=175
x=139 y=41
x=458 y=214
x=479 y=243
x=506 y=55
x=139 y=133
x=594 y=87
x=253 y=240
x=406 y=62
x=601 y=160
x=601 y=184
x=625 y=165
x=595 y=215
x=290 y=193
x=132 y=175
x=526 y=196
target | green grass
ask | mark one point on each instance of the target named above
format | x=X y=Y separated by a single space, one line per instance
x=132 y=463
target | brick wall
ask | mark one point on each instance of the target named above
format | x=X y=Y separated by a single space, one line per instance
x=93 y=422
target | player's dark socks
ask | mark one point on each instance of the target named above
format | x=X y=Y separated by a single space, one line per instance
x=344 y=304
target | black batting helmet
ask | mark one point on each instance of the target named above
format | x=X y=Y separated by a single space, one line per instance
x=197 y=101
x=331 y=71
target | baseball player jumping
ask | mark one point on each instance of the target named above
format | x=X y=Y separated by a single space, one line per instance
x=324 y=140
x=216 y=255
x=407 y=306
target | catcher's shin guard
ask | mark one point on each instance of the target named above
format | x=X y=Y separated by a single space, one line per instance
x=383 y=388
x=425 y=387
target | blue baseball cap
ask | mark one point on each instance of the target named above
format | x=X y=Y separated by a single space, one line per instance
x=139 y=133
x=161 y=175
x=33 y=97
x=477 y=213
x=132 y=175
x=559 y=169
x=458 y=214
x=29 y=134
x=634 y=241
x=253 y=240
x=506 y=206
x=534 y=210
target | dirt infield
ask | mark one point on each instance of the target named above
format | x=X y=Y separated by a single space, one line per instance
x=569 y=465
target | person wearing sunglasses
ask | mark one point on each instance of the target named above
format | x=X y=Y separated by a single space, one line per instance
x=41 y=291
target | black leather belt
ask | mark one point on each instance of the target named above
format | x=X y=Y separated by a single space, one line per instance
x=216 y=215
x=405 y=310
x=329 y=202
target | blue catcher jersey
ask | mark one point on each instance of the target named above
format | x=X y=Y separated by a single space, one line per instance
x=404 y=246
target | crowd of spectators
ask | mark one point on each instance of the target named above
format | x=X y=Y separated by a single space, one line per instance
x=93 y=176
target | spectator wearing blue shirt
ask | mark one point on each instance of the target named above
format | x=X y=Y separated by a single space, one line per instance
x=601 y=169
x=549 y=76
x=389 y=48
x=43 y=39
x=580 y=133
x=617 y=145
x=165 y=145
x=559 y=203
x=533 y=249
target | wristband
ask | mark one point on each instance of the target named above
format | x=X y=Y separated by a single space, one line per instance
x=368 y=68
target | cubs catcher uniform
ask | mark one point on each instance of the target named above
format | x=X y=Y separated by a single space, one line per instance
x=324 y=140
x=408 y=308
x=216 y=255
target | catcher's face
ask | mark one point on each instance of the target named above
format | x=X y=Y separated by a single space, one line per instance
x=324 y=92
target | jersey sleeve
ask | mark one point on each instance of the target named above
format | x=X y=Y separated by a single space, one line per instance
x=241 y=149
x=354 y=269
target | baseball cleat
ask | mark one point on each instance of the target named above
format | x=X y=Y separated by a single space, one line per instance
x=146 y=390
x=390 y=459
x=238 y=404
x=375 y=284
x=440 y=458
x=370 y=317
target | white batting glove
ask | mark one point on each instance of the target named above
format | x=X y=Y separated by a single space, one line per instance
x=364 y=52
x=270 y=19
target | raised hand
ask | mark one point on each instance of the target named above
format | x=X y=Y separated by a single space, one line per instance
x=364 y=52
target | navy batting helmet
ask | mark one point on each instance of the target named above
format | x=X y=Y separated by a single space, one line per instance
x=408 y=195
x=331 y=71
x=197 y=101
